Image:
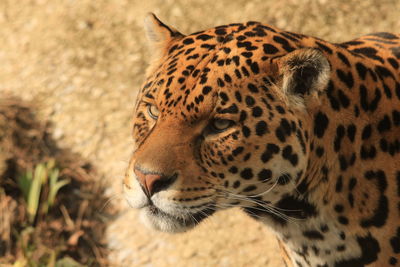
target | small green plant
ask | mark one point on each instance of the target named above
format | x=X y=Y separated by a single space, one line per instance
x=49 y=257
x=40 y=188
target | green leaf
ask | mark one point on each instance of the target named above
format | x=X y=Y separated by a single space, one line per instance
x=52 y=259
x=54 y=190
x=34 y=192
x=51 y=164
x=25 y=182
x=55 y=186
x=20 y=263
x=53 y=177
x=68 y=262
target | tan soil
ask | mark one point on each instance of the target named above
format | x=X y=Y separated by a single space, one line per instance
x=83 y=61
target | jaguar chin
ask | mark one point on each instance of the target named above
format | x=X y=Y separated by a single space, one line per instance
x=161 y=211
x=180 y=221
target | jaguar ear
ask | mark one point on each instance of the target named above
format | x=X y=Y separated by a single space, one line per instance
x=304 y=72
x=159 y=34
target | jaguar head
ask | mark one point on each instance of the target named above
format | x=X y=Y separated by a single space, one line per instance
x=221 y=121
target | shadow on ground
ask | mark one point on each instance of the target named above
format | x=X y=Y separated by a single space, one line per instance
x=72 y=229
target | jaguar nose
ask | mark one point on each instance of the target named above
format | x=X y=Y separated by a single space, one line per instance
x=152 y=182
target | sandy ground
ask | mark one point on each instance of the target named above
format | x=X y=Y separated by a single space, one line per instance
x=82 y=62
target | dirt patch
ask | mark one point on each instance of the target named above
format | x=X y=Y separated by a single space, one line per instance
x=73 y=226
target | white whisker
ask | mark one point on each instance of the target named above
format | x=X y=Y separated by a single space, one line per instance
x=112 y=198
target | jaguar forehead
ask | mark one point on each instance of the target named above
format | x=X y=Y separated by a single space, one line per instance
x=198 y=66
x=189 y=90
x=186 y=88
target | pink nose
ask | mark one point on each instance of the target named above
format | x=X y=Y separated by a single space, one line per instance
x=153 y=182
x=147 y=181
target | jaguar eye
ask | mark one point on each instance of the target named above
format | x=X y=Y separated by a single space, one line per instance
x=220 y=125
x=153 y=111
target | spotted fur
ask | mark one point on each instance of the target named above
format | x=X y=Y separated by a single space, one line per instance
x=301 y=133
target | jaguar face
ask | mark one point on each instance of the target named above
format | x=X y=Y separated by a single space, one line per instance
x=214 y=129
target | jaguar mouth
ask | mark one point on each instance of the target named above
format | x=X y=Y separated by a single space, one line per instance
x=166 y=222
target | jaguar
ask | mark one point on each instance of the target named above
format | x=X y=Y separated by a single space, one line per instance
x=302 y=134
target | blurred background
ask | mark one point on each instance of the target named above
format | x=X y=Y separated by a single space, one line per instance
x=69 y=73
